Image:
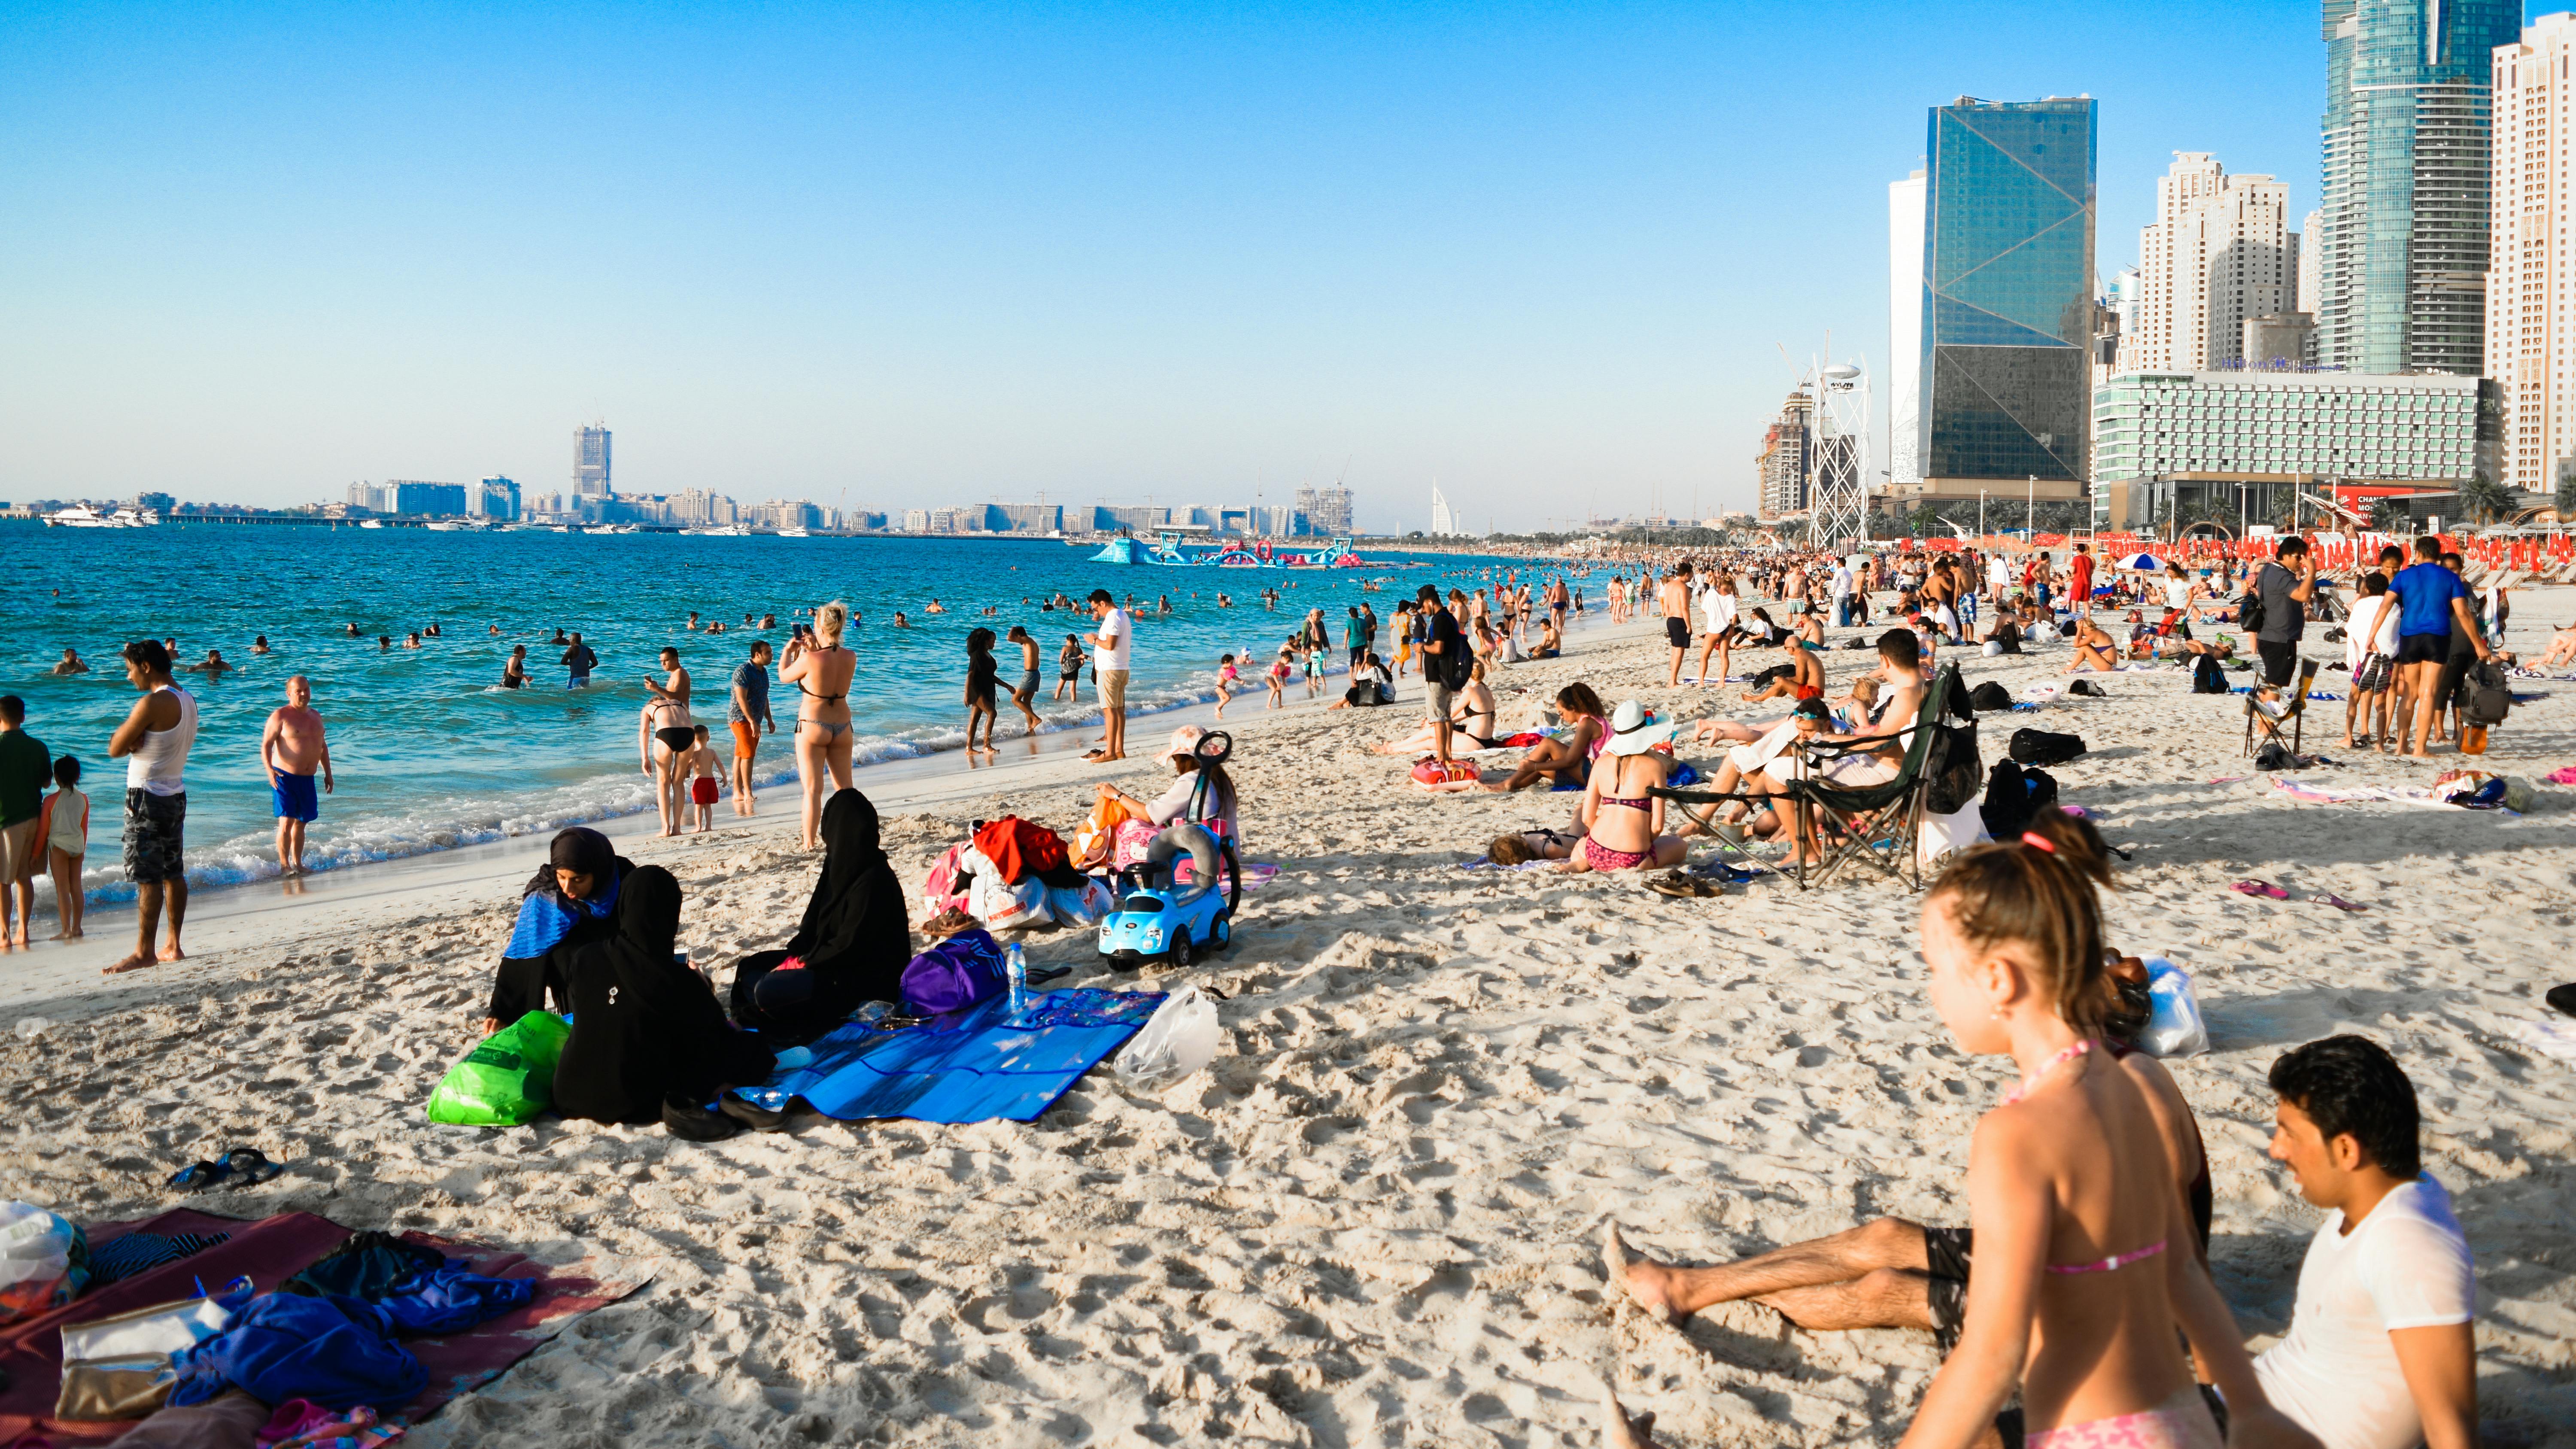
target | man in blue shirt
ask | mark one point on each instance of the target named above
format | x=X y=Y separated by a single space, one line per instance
x=2430 y=599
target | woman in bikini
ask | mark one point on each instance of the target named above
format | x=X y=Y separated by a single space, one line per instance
x=664 y=736
x=2084 y=1261
x=1622 y=822
x=821 y=672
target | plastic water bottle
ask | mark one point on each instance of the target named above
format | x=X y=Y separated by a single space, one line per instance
x=1018 y=972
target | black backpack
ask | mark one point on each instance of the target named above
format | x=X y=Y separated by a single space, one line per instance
x=2013 y=796
x=2045 y=747
x=2206 y=676
x=1956 y=770
x=2489 y=696
x=2249 y=611
x=1990 y=696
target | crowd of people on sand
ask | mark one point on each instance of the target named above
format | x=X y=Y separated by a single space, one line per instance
x=2075 y=1309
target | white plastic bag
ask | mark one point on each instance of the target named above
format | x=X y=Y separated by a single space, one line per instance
x=1177 y=1040
x=1002 y=906
x=1947 y=835
x=2175 y=1027
x=1081 y=905
x=36 y=1252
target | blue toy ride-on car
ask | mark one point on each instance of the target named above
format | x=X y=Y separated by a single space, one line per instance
x=1160 y=919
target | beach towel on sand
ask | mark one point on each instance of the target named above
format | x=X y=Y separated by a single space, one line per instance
x=269 y=1252
x=975 y=1066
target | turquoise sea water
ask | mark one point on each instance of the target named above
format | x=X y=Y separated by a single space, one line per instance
x=429 y=753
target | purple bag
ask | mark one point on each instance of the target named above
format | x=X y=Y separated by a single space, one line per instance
x=955 y=974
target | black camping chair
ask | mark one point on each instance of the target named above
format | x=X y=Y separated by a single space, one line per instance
x=2262 y=725
x=1878 y=825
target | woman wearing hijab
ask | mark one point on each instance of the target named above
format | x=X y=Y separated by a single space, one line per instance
x=851 y=947
x=644 y=1027
x=566 y=903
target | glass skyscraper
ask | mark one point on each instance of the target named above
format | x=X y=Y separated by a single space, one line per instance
x=2005 y=388
x=2402 y=237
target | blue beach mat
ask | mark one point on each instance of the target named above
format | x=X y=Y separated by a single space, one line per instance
x=971 y=1066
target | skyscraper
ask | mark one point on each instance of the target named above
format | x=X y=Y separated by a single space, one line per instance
x=2004 y=384
x=2220 y=252
x=2531 y=335
x=1327 y=510
x=1904 y=330
x=590 y=462
x=2402 y=237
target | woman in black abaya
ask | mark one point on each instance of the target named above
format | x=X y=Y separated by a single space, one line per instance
x=645 y=1027
x=853 y=944
x=567 y=903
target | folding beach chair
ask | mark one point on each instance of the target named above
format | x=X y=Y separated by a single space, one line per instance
x=2263 y=722
x=1880 y=825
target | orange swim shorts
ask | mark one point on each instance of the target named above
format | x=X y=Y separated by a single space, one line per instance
x=746 y=739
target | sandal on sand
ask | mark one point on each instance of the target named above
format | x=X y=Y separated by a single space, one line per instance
x=248 y=1164
x=1682 y=886
x=2262 y=888
x=2340 y=904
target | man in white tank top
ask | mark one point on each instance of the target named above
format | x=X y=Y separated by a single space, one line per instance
x=154 y=743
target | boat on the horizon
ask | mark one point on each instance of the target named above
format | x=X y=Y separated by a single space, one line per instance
x=371 y=523
x=795 y=533
x=81 y=515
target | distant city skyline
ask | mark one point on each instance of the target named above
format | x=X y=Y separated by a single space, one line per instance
x=920 y=258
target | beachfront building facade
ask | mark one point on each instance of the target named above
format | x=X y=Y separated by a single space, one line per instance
x=2002 y=392
x=1786 y=463
x=2219 y=254
x=2531 y=336
x=590 y=461
x=2173 y=447
x=495 y=498
x=2402 y=237
x=1326 y=511
x=1904 y=328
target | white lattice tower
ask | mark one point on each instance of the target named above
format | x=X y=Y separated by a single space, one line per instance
x=1838 y=496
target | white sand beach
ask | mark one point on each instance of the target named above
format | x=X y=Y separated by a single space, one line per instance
x=1372 y=1221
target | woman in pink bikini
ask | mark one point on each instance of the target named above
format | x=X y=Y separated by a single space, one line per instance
x=1622 y=820
x=2084 y=1246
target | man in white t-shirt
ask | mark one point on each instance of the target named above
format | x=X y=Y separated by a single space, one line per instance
x=2381 y=1352
x=1842 y=594
x=1109 y=665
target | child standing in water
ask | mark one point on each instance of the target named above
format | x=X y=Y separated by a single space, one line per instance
x=1226 y=675
x=702 y=766
x=1279 y=668
x=1068 y=666
x=63 y=829
x=981 y=674
x=2085 y=1260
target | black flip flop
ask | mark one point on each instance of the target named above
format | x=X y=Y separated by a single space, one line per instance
x=197 y=1177
x=2563 y=998
x=249 y=1164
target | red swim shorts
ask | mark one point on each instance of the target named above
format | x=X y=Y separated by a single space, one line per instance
x=702 y=790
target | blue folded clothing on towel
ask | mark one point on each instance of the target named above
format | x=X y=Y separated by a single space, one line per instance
x=338 y=1352
x=974 y=1065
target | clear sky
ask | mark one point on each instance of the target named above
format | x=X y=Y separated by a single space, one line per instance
x=903 y=256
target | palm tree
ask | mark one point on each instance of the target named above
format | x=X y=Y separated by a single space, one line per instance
x=2486 y=499
x=2387 y=515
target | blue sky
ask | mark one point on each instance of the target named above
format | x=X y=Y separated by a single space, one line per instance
x=897 y=255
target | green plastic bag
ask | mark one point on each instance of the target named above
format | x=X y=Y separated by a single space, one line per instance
x=506 y=1080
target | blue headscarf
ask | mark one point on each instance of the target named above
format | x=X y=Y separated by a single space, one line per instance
x=546 y=914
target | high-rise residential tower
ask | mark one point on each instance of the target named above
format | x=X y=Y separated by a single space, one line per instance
x=1904 y=329
x=2003 y=389
x=2219 y=253
x=2402 y=236
x=2531 y=335
x=590 y=462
